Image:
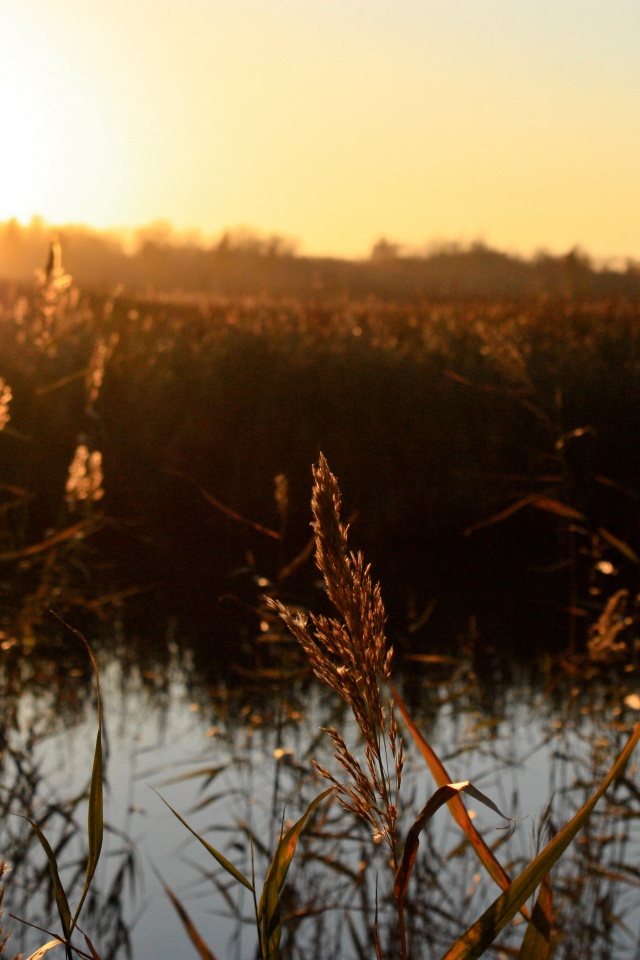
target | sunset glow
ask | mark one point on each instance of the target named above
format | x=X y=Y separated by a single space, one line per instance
x=333 y=123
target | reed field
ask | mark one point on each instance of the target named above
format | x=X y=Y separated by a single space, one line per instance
x=502 y=429
x=155 y=466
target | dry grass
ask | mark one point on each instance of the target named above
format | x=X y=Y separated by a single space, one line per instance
x=352 y=657
x=486 y=405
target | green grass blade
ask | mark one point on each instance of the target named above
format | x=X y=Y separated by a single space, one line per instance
x=95 y=822
x=483 y=932
x=95 y=816
x=269 y=907
x=222 y=860
x=456 y=806
x=61 y=898
x=537 y=938
x=201 y=947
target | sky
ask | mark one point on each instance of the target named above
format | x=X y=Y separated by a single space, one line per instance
x=330 y=122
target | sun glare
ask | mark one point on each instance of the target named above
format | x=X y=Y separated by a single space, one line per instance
x=56 y=135
x=513 y=122
x=24 y=129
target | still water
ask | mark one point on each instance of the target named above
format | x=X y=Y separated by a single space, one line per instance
x=232 y=754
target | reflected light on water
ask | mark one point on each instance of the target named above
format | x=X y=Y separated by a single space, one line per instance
x=234 y=762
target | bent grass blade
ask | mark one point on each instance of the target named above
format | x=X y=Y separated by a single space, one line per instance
x=222 y=860
x=483 y=932
x=547 y=504
x=456 y=806
x=269 y=907
x=443 y=795
x=56 y=942
x=40 y=952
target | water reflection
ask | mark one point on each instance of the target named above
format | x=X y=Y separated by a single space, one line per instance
x=232 y=753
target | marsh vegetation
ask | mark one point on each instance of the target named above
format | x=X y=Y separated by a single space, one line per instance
x=155 y=477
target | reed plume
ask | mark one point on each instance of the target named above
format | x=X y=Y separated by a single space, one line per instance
x=5 y=400
x=352 y=657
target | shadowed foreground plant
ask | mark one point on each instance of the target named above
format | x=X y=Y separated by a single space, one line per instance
x=350 y=655
x=95 y=832
x=267 y=910
x=352 y=658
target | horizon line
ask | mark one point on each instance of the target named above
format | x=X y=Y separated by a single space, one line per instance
x=177 y=236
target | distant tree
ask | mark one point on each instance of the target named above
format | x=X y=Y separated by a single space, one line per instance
x=160 y=233
x=384 y=250
x=578 y=272
x=277 y=246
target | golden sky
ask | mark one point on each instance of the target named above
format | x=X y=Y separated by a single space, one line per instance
x=333 y=122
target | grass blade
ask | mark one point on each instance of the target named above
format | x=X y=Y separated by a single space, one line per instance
x=95 y=816
x=209 y=772
x=456 y=806
x=201 y=947
x=69 y=533
x=222 y=860
x=537 y=938
x=502 y=514
x=551 y=505
x=223 y=508
x=40 y=952
x=548 y=504
x=95 y=823
x=621 y=545
x=94 y=953
x=269 y=907
x=440 y=797
x=483 y=932
x=61 y=898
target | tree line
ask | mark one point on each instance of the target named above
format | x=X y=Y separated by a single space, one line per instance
x=157 y=261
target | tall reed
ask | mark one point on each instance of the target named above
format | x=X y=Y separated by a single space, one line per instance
x=353 y=658
x=351 y=655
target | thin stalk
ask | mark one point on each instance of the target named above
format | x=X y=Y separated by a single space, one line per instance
x=402 y=930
